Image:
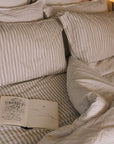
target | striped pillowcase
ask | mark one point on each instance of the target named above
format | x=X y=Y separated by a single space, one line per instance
x=30 y=50
x=90 y=36
x=29 y=12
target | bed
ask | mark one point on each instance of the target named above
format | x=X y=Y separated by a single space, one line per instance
x=48 y=52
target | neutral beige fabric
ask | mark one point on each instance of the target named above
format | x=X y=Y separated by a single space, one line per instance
x=87 y=6
x=29 y=12
x=30 y=50
x=96 y=125
x=90 y=36
x=13 y=3
x=104 y=67
x=90 y=77
x=97 y=130
x=61 y=2
x=52 y=88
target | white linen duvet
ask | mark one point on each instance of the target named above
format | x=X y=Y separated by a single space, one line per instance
x=96 y=125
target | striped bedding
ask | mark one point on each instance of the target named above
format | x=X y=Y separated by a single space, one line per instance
x=30 y=50
x=90 y=36
x=46 y=88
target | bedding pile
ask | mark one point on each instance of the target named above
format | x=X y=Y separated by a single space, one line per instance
x=91 y=40
x=90 y=79
x=33 y=65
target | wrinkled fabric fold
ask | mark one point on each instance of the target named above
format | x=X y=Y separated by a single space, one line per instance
x=96 y=125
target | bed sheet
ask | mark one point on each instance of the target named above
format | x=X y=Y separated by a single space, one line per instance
x=47 y=88
x=96 y=124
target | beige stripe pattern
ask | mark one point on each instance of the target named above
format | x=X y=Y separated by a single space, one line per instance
x=91 y=36
x=29 y=12
x=30 y=50
x=51 y=88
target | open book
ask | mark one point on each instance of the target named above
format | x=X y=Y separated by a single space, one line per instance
x=28 y=112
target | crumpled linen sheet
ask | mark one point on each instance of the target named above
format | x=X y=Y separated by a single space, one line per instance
x=96 y=125
x=98 y=130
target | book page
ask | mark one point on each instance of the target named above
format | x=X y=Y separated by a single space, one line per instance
x=42 y=114
x=13 y=110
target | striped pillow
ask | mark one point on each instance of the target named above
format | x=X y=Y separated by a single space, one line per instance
x=22 y=13
x=30 y=50
x=90 y=36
